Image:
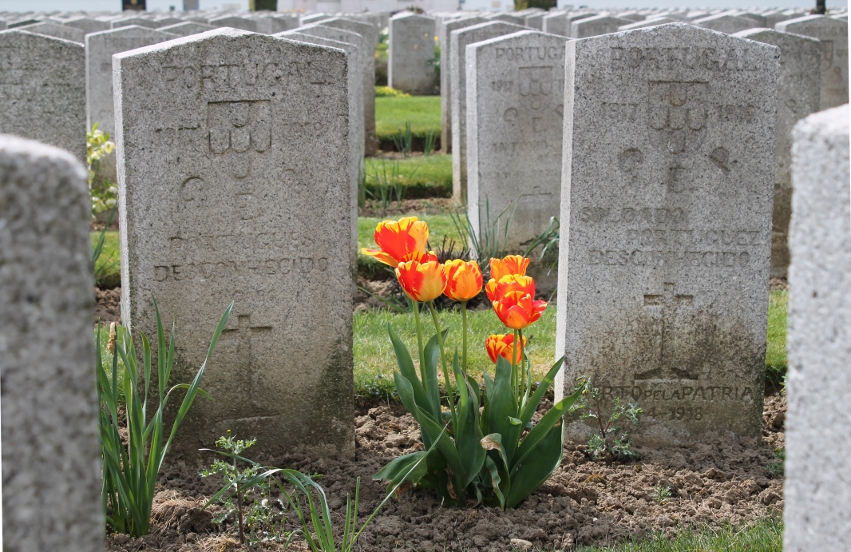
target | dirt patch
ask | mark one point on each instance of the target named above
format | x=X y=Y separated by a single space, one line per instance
x=778 y=284
x=428 y=206
x=710 y=484
x=108 y=307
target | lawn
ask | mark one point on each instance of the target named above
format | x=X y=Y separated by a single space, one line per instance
x=391 y=114
x=107 y=267
x=775 y=354
x=417 y=177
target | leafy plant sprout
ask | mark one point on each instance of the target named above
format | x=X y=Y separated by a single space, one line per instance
x=611 y=435
x=661 y=494
x=262 y=521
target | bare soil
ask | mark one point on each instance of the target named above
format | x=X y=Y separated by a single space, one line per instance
x=108 y=307
x=711 y=484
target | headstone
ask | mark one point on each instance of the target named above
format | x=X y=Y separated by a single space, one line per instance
x=51 y=451
x=370 y=33
x=87 y=24
x=355 y=88
x=536 y=20
x=515 y=106
x=667 y=186
x=233 y=179
x=817 y=504
x=597 y=25
x=56 y=31
x=557 y=24
x=726 y=23
x=446 y=29
x=312 y=18
x=138 y=21
x=410 y=58
x=507 y=18
x=833 y=35
x=187 y=28
x=647 y=23
x=459 y=40
x=99 y=99
x=43 y=101
x=234 y=22
x=799 y=86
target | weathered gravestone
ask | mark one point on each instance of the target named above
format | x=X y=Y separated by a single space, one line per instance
x=536 y=20
x=799 y=86
x=726 y=23
x=47 y=28
x=234 y=184
x=647 y=23
x=187 y=28
x=234 y=22
x=409 y=65
x=355 y=88
x=833 y=35
x=369 y=32
x=596 y=25
x=99 y=101
x=507 y=18
x=515 y=103
x=556 y=23
x=445 y=30
x=43 y=90
x=87 y=24
x=139 y=21
x=365 y=69
x=666 y=227
x=51 y=456
x=817 y=504
x=459 y=40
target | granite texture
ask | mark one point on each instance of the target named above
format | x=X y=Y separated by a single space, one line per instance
x=817 y=504
x=43 y=96
x=833 y=35
x=139 y=21
x=233 y=173
x=596 y=25
x=515 y=107
x=799 y=89
x=459 y=40
x=556 y=23
x=87 y=24
x=47 y=28
x=355 y=88
x=369 y=32
x=647 y=23
x=409 y=66
x=234 y=22
x=51 y=453
x=726 y=23
x=445 y=29
x=667 y=191
x=186 y=28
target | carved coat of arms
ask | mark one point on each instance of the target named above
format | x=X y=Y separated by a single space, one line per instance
x=236 y=130
x=536 y=87
x=676 y=115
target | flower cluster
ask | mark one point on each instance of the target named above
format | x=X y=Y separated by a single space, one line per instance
x=403 y=245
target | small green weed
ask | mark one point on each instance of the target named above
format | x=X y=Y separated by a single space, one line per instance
x=661 y=494
x=612 y=436
x=776 y=467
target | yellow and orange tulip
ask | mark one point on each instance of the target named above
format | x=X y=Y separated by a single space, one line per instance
x=464 y=279
x=510 y=282
x=503 y=346
x=421 y=281
x=399 y=241
x=517 y=310
x=512 y=264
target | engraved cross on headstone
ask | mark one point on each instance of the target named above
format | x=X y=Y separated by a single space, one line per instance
x=244 y=332
x=670 y=302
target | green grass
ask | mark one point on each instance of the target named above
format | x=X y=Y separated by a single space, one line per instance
x=776 y=362
x=375 y=361
x=107 y=270
x=106 y=357
x=422 y=176
x=765 y=535
x=391 y=114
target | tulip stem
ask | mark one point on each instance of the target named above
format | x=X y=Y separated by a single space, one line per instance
x=515 y=381
x=464 y=338
x=524 y=361
x=449 y=389
x=416 y=308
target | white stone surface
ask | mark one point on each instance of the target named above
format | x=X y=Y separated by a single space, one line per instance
x=817 y=504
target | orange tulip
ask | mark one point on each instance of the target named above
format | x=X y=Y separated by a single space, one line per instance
x=400 y=241
x=517 y=309
x=464 y=279
x=503 y=346
x=512 y=264
x=421 y=281
x=510 y=282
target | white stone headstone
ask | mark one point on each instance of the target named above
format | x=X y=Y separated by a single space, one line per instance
x=43 y=95
x=667 y=191
x=233 y=160
x=515 y=107
x=409 y=65
x=445 y=29
x=817 y=504
x=51 y=451
x=47 y=28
